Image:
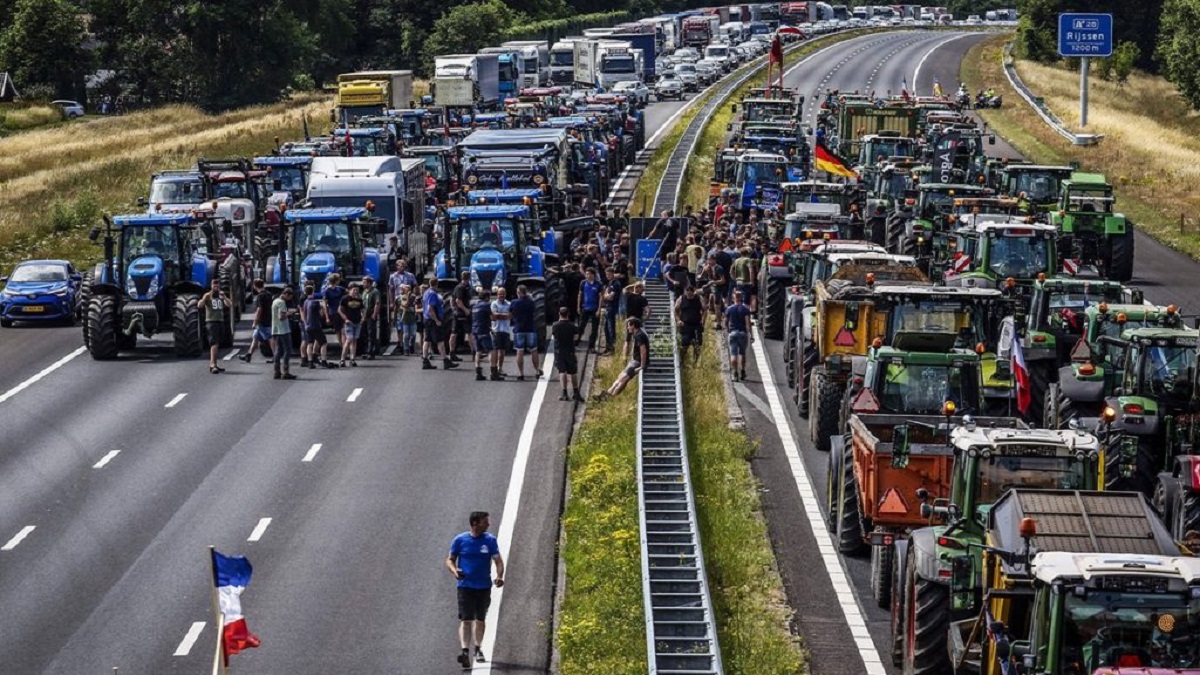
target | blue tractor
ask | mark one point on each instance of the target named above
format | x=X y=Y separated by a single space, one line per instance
x=497 y=243
x=156 y=267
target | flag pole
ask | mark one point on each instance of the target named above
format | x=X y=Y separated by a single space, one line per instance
x=219 y=667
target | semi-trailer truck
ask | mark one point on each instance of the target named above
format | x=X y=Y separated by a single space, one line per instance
x=467 y=80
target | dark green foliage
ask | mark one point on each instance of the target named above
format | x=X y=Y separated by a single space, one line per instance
x=1178 y=49
x=42 y=46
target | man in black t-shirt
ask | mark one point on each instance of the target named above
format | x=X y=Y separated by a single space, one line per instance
x=460 y=299
x=641 y=358
x=261 y=329
x=564 y=332
x=525 y=333
x=350 y=309
x=689 y=316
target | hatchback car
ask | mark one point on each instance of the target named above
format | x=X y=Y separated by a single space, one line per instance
x=635 y=91
x=39 y=290
x=668 y=87
x=71 y=109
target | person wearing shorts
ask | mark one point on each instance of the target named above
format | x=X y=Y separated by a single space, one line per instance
x=689 y=316
x=737 y=322
x=481 y=332
x=315 y=317
x=472 y=555
x=501 y=332
x=351 y=311
x=525 y=337
x=214 y=304
x=261 y=330
x=564 y=332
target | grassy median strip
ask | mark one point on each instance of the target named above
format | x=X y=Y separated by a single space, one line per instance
x=602 y=629
x=56 y=182
x=748 y=595
x=1150 y=151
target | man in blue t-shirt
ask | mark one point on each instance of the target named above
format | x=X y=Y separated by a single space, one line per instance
x=737 y=322
x=589 y=307
x=472 y=554
x=525 y=336
x=434 y=314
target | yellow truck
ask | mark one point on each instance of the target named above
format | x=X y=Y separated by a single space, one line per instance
x=373 y=92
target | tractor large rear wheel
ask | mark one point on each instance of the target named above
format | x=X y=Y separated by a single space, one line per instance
x=927 y=624
x=538 y=295
x=555 y=298
x=1057 y=409
x=1120 y=261
x=789 y=355
x=102 y=327
x=881 y=575
x=1188 y=512
x=185 y=323
x=825 y=409
x=847 y=523
x=1145 y=466
x=808 y=362
x=773 y=306
x=1041 y=374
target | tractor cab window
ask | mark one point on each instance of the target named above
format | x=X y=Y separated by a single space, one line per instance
x=922 y=389
x=435 y=166
x=1168 y=371
x=1038 y=187
x=894 y=184
x=1090 y=201
x=1000 y=472
x=765 y=112
x=176 y=191
x=312 y=238
x=935 y=203
x=230 y=189
x=162 y=242
x=928 y=316
x=288 y=178
x=1018 y=256
x=476 y=235
x=771 y=172
x=1131 y=628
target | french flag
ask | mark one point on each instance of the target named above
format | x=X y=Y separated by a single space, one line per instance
x=1021 y=374
x=231 y=575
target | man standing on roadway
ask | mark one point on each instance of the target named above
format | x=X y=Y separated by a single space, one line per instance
x=564 y=332
x=472 y=554
x=737 y=322
x=434 y=312
x=281 y=334
x=481 y=333
x=501 y=332
x=525 y=335
x=371 y=310
x=351 y=312
x=214 y=303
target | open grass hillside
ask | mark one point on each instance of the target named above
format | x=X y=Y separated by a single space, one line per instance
x=1151 y=146
x=56 y=182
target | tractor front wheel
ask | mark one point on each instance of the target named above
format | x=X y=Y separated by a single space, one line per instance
x=185 y=323
x=927 y=626
x=1120 y=260
x=102 y=327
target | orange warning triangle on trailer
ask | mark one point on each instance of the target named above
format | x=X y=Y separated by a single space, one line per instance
x=844 y=338
x=892 y=503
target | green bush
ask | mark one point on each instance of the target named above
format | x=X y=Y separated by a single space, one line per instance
x=81 y=212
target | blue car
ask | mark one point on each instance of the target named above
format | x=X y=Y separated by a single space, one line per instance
x=39 y=290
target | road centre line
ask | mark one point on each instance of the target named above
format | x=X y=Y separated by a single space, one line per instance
x=175 y=401
x=44 y=372
x=106 y=459
x=512 y=503
x=18 y=538
x=190 y=638
x=230 y=355
x=312 y=452
x=259 y=529
x=812 y=509
x=354 y=395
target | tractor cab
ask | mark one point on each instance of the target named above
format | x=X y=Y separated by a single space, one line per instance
x=487 y=240
x=915 y=383
x=1037 y=186
x=541 y=212
x=286 y=176
x=441 y=167
x=1057 y=314
x=174 y=192
x=883 y=146
x=992 y=254
x=362 y=141
x=322 y=241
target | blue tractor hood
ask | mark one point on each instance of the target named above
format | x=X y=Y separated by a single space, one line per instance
x=144 y=277
x=487 y=268
x=321 y=262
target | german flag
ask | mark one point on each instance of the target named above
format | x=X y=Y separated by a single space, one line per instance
x=831 y=163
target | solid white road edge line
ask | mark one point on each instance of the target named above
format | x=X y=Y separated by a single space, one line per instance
x=259 y=529
x=917 y=72
x=312 y=452
x=45 y=371
x=354 y=395
x=20 y=536
x=512 y=506
x=106 y=459
x=847 y=600
x=230 y=355
x=175 y=401
x=190 y=638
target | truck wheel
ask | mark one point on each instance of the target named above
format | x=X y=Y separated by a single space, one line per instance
x=1166 y=498
x=789 y=356
x=1040 y=376
x=1058 y=410
x=1144 y=466
x=808 y=361
x=185 y=323
x=927 y=624
x=773 y=307
x=539 y=316
x=881 y=575
x=825 y=411
x=849 y=531
x=1188 y=512
x=102 y=328
x=1120 y=261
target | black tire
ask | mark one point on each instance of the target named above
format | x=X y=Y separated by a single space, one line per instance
x=1120 y=262
x=1041 y=374
x=808 y=361
x=773 y=306
x=849 y=529
x=1166 y=498
x=882 y=562
x=6 y=323
x=185 y=323
x=927 y=624
x=1188 y=512
x=1057 y=409
x=556 y=295
x=1145 y=468
x=83 y=299
x=126 y=342
x=538 y=295
x=833 y=486
x=789 y=356
x=825 y=410
x=899 y=593
x=103 y=327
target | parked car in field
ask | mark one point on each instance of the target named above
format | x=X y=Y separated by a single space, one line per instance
x=669 y=86
x=637 y=92
x=71 y=109
x=39 y=290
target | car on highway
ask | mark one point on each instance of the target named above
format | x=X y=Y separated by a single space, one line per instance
x=686 y=72
x=39 y=290
x=686 y=55
x=974 y=20
x=669 y=86
x=636 y=91
x=710 y=71
x=71 y=109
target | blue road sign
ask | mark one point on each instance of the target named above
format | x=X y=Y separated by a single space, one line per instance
x=1085 y=35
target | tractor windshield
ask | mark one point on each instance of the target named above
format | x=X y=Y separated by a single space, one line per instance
x=1038 y=187
x=234 y=189
x=929 y=316
x=881 y=149
x=934 y=203
x=894 y=184
x=288 y=178
x=1090 y=201
x=922 y=389
x=174 y=190
x=1000 y=472
x=321 y=237
x=478 y=234
x=763 y=111
x=435 y=166
x=1168 y=372
x=157 y=241
x=1131 y=629
x=769 y=172
x=1019 y=257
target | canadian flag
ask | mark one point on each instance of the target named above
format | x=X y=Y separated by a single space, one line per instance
x=1071 y=266
x=1021 y=375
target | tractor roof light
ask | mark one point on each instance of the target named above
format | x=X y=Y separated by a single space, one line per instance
x=1121 y=318
x=1109 y=414
x=948 y=408
x=1028 y=528
x=1087 y=369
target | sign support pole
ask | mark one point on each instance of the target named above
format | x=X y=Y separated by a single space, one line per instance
x=1083 y=91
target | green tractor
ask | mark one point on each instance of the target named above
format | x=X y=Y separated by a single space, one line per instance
x=1091 y=232
x=1036 y=186
x=988 y=461
x=990 y=254
x=913 y=233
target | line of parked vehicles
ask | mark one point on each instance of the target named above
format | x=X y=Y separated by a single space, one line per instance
x=1011 y=429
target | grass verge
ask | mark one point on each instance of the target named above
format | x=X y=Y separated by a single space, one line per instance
x=55 y=182
x=18 y=118
x=1150 y=151
x=748 y=595
x=602 y=629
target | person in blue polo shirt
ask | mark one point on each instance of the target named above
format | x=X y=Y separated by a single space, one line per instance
x=589 y=308
x=472 y=555
x=435 y=329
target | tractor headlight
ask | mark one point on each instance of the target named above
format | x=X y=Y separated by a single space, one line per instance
x=130 y=287
x=153 y=291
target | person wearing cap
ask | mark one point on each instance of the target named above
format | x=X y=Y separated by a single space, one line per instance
x=372 y=309
x=281 y=334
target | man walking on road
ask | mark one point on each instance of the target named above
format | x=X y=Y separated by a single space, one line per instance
x=564 y=332
x=261 y=329
x=525 y=336
x=589 y=307
x=281 y=334
x=737 y=322
x=501 y=332
x=434 y=311
x=214 y=303
x=481 y=333
x=472 y=555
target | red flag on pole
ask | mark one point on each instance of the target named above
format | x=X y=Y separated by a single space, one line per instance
x=776 y=50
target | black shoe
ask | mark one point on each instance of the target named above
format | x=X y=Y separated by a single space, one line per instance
x=479 y=656
x=303 y=363
x=496 y=377
x=353 y=363
x=278 y=375
x=479 y=376
x=464 y=660
x=578 y=398
x=447 y=364
x=289 y=376
x=426 y=365
x=743 y=376
x=454 y=358
x=312 y=365
x=520 y=378
x=564 y=396
x=245 y=358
